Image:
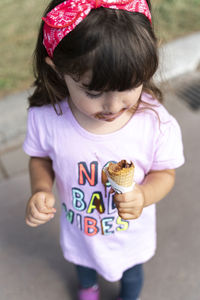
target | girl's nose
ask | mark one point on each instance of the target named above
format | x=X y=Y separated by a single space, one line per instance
x=113 y=103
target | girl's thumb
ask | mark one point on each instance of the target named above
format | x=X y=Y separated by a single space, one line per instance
x=50 y=201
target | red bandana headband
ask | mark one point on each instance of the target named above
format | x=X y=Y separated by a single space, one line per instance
x=67 y=15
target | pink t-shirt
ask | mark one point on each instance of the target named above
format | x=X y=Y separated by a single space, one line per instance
x=78 y=157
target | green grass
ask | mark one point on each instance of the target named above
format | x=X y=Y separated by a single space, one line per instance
x=176 y=18
x=19 y=21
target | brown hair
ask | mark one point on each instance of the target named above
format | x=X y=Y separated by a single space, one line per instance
x=118 y=46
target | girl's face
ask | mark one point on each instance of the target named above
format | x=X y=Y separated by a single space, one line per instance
x=94 y=107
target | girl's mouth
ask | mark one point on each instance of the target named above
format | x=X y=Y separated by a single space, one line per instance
x=109 y=117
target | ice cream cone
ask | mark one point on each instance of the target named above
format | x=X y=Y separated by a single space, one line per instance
x=121 y=174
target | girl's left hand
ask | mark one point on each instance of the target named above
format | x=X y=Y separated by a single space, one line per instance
x=131 y=204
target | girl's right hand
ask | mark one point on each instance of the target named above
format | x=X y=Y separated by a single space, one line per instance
x=40 y=209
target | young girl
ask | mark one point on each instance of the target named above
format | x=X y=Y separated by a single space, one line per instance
x=94 y=103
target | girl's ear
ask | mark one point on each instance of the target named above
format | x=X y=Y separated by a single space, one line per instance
x=49 y=62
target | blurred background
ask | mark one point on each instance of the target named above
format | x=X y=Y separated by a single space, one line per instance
x=19 y=21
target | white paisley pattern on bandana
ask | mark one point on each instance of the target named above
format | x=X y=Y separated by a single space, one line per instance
x=66 y=16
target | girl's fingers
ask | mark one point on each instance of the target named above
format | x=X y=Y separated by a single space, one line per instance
x=127 y=216
x=37 y=212
x=126 y=209
x=44 y=203
x=30 y=220
x=123 y=204
x=129 y=213
x=30 y=223
x=131 y=205
x=37 y=217
x=50 y=201
x=42 y=208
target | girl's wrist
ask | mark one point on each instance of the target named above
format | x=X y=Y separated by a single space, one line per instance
x=41 y=190
x=142 y=192
x=147 y=193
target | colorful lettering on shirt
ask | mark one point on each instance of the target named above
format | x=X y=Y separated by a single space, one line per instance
x=84 y=174
x=123 y=224
x=78 y=199
x=79 y=221
x=90 y=227
x=111 y=204
x=107 y=223
x=96 y=202
x=87 y=212
x=69 y=214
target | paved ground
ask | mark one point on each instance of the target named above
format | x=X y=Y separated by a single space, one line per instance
x=31 y=263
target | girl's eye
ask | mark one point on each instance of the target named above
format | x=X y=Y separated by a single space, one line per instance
x=93 y=95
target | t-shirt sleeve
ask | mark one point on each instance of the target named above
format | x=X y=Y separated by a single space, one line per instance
x=33 y=144
x=169 y=147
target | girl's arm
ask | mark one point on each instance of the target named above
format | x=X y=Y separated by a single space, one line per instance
x=156 y=186
x=40 y=208
x=41 y=174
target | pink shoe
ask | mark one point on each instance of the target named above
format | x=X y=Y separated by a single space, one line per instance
x=89 y=294
x=122 y=299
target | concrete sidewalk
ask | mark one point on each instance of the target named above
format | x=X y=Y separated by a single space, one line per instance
x=31 y=262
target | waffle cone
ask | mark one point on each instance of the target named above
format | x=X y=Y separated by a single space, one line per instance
x=122 y=176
